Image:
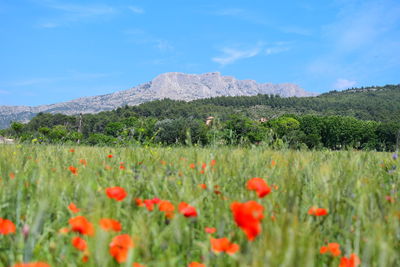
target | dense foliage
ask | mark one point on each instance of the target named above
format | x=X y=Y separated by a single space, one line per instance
x=365 y=118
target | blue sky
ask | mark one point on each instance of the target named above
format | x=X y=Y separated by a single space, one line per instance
x=57 y=50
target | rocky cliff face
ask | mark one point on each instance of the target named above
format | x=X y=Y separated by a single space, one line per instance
x=173 y=85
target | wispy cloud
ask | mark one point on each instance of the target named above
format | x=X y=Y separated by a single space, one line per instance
x=74 y=12
x=342 y=84
x=136 y=10
x=242 y=14
x=362 y=42
x=230 y=55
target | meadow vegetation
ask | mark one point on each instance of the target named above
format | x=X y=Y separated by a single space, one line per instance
x=357 y=193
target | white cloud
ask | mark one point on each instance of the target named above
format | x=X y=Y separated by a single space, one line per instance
x=342 y=84
x=136 y=9
x=230 y=55
x=73 y=12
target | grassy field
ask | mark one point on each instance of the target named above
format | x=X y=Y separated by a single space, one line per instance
x=360 y=191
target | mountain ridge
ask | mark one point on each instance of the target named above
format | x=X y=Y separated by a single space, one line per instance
x=172 y=85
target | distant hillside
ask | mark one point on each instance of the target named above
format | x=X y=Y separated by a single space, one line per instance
x=173 y=85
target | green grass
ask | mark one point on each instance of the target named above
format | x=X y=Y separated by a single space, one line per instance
x=352 y=185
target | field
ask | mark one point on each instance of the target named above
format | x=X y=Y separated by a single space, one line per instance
x=358 y=190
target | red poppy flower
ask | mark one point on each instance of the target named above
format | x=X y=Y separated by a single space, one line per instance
x=135 y=264
x=6 y=227
x=166 y=207
x=204 y=166
x=79 y=243
x=315 y=211
x=73 y=170
x=32 y=264
x=110 y=225
x=81 y=225
x=117 y=193
x=12 y=175
x=120 y=246
x=203 y=186
x=72 y=150
x=210 y=230
x=110 y=156
x=83 y=162
x=122 y=167
x=352 y=261
x=212 y=163
x=187 y=210
x=259 y=185
x=219 y=245
x=248 y=216
x=72 y=207
x=192 y=166
x=196 y=264
x=332 y=248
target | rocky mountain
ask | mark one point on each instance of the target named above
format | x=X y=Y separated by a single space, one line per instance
x=173 y=85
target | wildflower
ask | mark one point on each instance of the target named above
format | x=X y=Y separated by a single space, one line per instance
x=219 y=245
x=203 y=186
x=187 y=210
x=32 y=264
x=83 y=162
x=395 y=156
x=260 y=186
x=63 y=230
x=121 y=166
x=332 y=248
x=248 y=216
x=110 y=156
x=135 y=264
x=192 y=166
x=196 y=264
x=81 y=225
x=390 y=199
x=79 y=243
x=73 y=170
x=216 y=190
x=273 y=163
x=12 y=175
x=213 y=162
x=120 y=246
x=72 y=150
x=204 y=166
x=166 y=207
x=117 y=193
x=352 y=261
x=25 y=231
x=315 y=211
x=210 y=230
x=110 y=225
x=6 y=227
x=72 y=207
